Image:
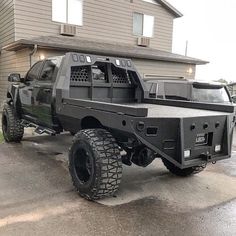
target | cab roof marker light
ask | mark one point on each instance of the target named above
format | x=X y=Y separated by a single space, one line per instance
x=88 y=59
x=117 y=62
x=82 y=58
x=123 y=63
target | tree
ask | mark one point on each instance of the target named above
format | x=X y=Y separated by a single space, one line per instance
x=223 y=81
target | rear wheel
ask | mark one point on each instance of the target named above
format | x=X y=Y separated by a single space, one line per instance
x=95 y=164
x=12 y=129
x=182 y=172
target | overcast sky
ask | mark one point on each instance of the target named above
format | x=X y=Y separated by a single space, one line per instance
x=210 y=28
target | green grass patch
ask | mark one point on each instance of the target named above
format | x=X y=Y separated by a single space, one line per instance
x=1 y=137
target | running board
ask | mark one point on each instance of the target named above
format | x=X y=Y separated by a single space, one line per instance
x=38 y=129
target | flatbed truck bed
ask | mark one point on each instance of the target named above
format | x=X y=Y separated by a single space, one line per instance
x=143 y=109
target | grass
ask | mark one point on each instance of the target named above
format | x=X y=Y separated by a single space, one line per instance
x=1 y=137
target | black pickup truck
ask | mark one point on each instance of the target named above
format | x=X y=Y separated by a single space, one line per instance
x=104 y=102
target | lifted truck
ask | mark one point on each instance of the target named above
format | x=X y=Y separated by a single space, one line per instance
x=105 y=104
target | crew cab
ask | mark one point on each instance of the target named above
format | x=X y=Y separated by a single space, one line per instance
x=188 y=90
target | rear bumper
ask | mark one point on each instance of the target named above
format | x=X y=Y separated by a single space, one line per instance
x=177 y=137
x=199 y=161
x=218 y=133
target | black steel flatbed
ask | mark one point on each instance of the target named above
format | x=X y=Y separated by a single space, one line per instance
x=143 y=109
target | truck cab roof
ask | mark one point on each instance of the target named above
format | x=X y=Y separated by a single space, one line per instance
x=189 y=90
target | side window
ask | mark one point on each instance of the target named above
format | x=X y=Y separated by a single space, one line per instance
x=48 y=70
x=34 y=71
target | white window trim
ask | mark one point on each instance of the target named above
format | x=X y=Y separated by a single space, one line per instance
x=151 y=1
x=153 y=28
x=67 y=13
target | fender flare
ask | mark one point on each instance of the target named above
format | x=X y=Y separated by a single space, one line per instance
x=13 y=96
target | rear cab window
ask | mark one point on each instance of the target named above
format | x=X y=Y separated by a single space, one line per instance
x=210 y=94
x=177 y=91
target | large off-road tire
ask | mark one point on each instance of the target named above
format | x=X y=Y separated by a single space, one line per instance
x=95 y=164
x=182 y=172
x=12 y=129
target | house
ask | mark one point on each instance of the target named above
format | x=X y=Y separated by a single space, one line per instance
x=137 y=29
x=232 y=88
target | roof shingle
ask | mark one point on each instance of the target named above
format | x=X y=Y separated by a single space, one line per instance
x=99 y=47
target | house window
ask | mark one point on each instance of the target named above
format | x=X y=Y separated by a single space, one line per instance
x=68 y=11
x=143 y=25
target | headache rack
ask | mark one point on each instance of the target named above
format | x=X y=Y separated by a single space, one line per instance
x=104 y=80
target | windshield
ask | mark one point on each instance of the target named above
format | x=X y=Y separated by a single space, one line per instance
x=211 y=95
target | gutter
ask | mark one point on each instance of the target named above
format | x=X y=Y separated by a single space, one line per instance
x=32 y=53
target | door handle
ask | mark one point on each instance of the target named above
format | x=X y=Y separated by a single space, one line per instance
x=36 y=86
x=47 y=90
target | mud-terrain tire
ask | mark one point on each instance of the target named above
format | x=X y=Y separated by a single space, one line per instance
x=182 y=172
x=95 y=164
x=12 y=129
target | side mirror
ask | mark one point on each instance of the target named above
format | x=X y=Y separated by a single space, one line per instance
x=14 y=77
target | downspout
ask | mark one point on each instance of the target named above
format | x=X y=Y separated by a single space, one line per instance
x=32 y=53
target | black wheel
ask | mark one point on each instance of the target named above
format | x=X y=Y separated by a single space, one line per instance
x=95 y=164
x=182 y=172
x=12 y=129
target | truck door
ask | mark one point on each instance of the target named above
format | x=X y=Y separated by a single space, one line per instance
x=26 y=91
x=42 y=107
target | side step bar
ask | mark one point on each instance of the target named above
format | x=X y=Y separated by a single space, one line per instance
x=38 y=129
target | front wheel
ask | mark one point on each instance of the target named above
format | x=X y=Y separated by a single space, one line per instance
x=95 y=164
x=182 y=172
x=12 y=129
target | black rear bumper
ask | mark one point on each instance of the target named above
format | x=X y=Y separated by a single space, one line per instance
x=188 y=142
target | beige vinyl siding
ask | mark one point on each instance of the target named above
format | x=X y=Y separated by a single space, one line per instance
x=47 y=53
x=7 y=65
x=12 y=62
x=22 y=61
x=7 y=59
x=19 y=62
x=6 y=22
x=144 y=67
x=107 y=20
x=162 y=68
x=110 y=20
